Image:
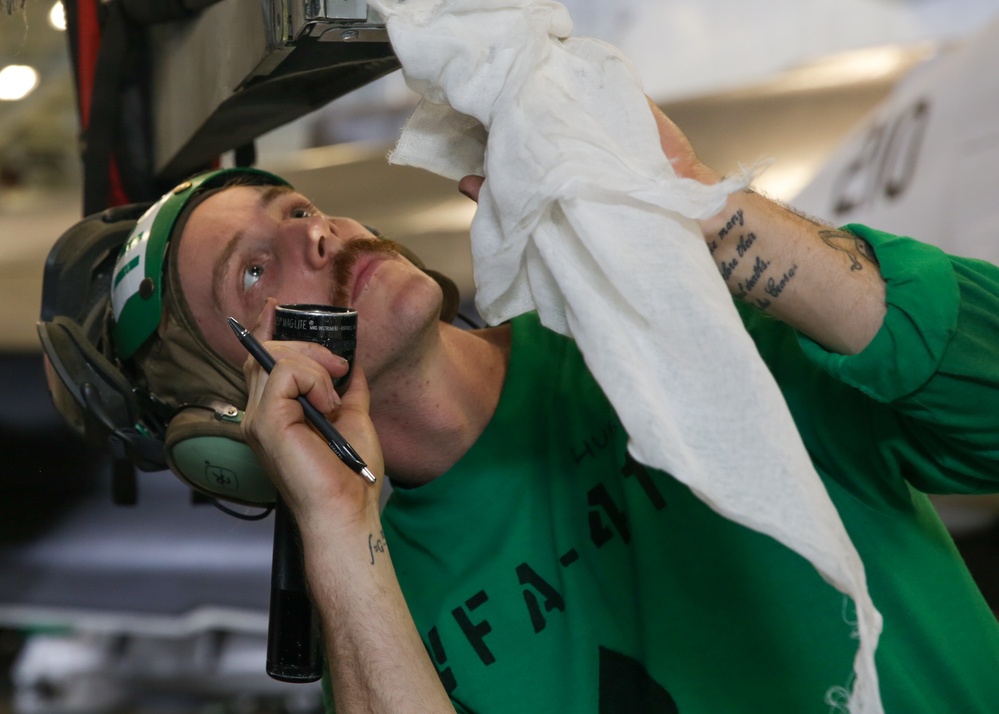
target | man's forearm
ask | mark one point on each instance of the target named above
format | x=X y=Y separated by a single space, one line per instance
x=823 y=282
x=377 y=661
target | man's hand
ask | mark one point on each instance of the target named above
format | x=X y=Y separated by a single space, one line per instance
x=679 y=151
x=311 y=479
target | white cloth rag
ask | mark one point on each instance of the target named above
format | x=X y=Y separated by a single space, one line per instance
x=582 y=218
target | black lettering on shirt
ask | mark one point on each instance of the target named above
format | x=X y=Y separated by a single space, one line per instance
x=600 y=534
x=475 y=632
x=594 y=443
x=435 y=648
x=552 y=599
x=569 y=557
x=626 y=686
x=641 y=474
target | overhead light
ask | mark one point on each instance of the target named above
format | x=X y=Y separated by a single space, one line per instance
x=17 y=81
x=57 y=16
x=855 y=66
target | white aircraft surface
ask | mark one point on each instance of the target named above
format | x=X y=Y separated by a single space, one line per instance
x=925 y=163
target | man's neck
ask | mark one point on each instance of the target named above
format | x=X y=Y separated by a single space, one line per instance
x=429 y=415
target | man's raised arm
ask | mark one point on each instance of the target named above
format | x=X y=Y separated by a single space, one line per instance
x=821 y=281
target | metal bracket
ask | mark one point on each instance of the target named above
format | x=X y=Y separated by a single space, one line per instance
x=238 y=70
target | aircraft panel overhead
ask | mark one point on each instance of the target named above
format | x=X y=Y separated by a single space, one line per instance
x=925 y=162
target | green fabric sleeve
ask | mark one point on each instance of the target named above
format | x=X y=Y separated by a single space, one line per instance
x=923 y=300
x=935 y=360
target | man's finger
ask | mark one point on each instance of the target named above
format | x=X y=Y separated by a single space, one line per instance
x=470 y=186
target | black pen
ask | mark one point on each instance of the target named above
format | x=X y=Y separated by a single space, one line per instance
x=344 y=451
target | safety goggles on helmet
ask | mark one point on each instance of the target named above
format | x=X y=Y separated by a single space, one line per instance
x=137 y=280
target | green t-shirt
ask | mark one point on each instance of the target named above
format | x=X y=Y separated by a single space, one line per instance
x=549 y=572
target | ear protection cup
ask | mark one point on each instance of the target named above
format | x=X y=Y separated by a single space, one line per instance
x=93 y=397
x=89 y=391
x=79 y=377
x=204 y=447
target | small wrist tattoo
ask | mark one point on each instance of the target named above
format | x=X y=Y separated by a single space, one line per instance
x=376 y=544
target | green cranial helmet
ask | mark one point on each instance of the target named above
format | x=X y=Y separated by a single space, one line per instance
x=137 y=283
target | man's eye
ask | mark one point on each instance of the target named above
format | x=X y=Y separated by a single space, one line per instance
x=301 y=212
x=251 y=275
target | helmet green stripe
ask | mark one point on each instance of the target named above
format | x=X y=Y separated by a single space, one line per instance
x=137 y=287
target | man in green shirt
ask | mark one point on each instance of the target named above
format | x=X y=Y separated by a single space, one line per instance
x=534 y=566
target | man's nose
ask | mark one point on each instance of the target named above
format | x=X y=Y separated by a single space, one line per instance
x=321 y=242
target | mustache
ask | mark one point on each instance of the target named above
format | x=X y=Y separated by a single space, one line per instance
x=346 y=258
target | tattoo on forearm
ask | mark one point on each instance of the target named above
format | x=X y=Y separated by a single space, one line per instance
x=746 y=286
x=865 y=249
x=755 y=274
x=726 y=267
x=850 y=245
x=376 y=545
x=775 y=287
x=736 y=219
x=746 y=241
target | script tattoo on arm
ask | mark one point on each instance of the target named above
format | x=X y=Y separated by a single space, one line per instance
x=376 y=544
x=854 y=247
